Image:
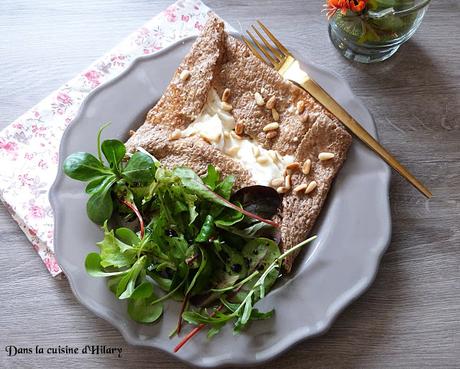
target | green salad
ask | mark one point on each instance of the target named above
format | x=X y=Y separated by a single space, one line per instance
x=171 y=234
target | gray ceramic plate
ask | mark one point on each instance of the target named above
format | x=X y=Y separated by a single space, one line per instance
x=353 y=230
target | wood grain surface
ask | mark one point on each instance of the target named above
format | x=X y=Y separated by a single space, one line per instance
x=409 y=318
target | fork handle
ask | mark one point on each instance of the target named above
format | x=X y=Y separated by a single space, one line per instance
x=330 y=104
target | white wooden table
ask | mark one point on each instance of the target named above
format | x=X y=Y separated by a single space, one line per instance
x=410 y=318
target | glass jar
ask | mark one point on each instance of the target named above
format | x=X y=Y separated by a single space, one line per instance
x=376 y=33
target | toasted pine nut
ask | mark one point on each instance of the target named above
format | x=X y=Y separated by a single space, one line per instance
x=234 y=135
x=282 y=189
x=175 y=135
x=271 y=102
x=277 y=182
x=226 y=134
x=239 y=129
x=275 y=115
x=226 y=95
x=287 y=181
x=300 y=187
x=271 y=134
x=259 y=99
x=184 y=75
x=306 y=167
x=226 y=106
x=262 y=160
x=271 y=127
x=232 y=151
x=300 y=107
x=311 y=186
x=325 y=156
x=293 y=166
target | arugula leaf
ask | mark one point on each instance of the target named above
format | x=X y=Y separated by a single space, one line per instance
x=114 y=151
x=100 y=206
x=200 y=270
x=83 y=166
x=140 y=169
x=224 y=188
x=194 y=183
x=211 y=178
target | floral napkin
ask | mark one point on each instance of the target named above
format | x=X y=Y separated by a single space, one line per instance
x=29 y=146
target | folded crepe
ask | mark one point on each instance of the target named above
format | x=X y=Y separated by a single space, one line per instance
x=221 y=65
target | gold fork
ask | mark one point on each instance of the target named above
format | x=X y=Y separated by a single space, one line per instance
x=282 y=60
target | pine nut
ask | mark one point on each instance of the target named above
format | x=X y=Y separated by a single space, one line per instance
x=325 y=156
x=259 y=99
x=306 y=167
x=255 y=151
x=304 y=118
x=234 y=135
x=226 y=95
x=300 y=107
x=271 y=127
x=226 y=106
x=271 y=134
x=239 y=129
x=262 y=160
x=271 y=102
x=311 y=186
x=300 y=187
x=232 y=151
x=277 y=182
x=184 y=75
x=287 y=181
x=293 y=166
x=275 y=115
x=282 y=190
x=175 y=135
x=226 y=134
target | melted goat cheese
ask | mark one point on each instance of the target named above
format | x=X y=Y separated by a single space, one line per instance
x=216 y=125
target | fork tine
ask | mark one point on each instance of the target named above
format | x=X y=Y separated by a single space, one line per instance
x=253 y=49
x=261 y=48
x=274 y=39
x=275 y=52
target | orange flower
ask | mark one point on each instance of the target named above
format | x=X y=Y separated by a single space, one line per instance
x=355 y=6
